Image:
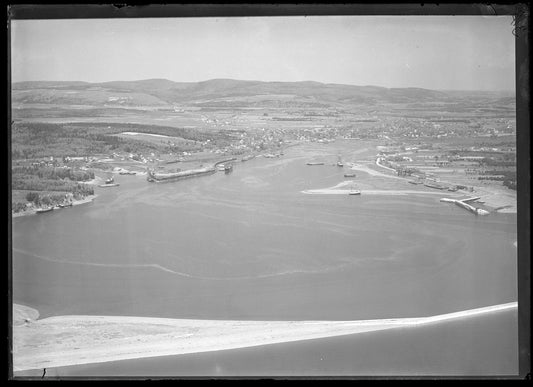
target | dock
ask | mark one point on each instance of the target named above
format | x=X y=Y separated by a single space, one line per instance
x=463 y=203
x=159 y=177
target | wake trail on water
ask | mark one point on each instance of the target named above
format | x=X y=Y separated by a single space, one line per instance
x=182 y=274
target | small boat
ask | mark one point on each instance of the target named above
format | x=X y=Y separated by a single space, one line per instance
x=349 y=175
x=354 y=191
x=221 y=167
x=315 y=163
x=109 y=185
x=110 y=181
x=228 y=169
x=43 y=210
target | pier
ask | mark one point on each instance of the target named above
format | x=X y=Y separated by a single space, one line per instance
x=464 y=204
x=167 y=177
x=224 y=161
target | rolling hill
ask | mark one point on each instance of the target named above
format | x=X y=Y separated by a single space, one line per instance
x=159 y=92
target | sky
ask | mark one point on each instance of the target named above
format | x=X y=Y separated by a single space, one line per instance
x=433 y=52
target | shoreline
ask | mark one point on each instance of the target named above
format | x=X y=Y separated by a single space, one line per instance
x=86 y=199
x=338 y=190
x=395 y=192
x=74 y=340
x=496 y=199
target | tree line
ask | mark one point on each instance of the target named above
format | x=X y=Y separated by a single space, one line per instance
x=39 y=140
x=54 y=173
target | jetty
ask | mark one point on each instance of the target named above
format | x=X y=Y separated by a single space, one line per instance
x=160 y=177
x=463 y=203
x=154 y=177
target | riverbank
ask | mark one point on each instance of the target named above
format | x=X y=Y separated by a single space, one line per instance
x=497 y=199
x=344 y=188
x=74 y=340
x=33 y=211
x=23 y=314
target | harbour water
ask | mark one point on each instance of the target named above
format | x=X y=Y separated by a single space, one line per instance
x=250 y=245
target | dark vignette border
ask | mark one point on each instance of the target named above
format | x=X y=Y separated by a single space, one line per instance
x=521 y=16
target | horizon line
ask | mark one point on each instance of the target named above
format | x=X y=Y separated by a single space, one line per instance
x=264 y=81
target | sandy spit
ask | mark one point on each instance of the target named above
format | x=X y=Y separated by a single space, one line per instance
x=73 y=340
x=340 y=189
x=328 y=191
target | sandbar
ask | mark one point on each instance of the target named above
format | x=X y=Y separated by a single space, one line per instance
x=74 y=340
x=340 y=189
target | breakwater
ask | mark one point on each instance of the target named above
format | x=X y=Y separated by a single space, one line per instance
x=166 y=177
x=464 y=204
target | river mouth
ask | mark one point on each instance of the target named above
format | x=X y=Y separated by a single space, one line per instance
x=251 y=246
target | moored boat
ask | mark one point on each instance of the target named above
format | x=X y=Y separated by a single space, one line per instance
x=43 y=210
x=349 y=175
x=109 y=185
x=354 y=191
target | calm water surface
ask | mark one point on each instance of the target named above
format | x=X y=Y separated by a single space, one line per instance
x=250 y=245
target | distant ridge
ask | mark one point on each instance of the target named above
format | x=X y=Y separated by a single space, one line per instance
x=222 y=92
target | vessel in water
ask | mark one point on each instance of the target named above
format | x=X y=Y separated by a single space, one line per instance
x=108 y=185
x=354 y=191
x=43 y=210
